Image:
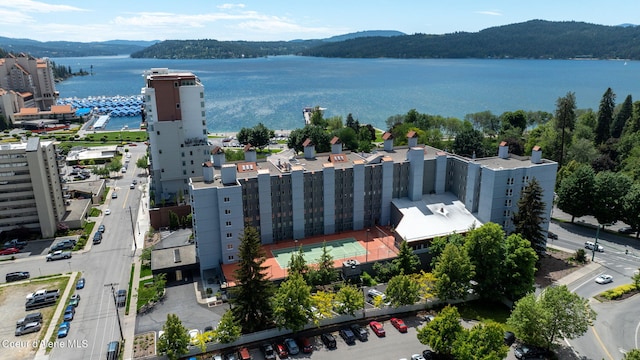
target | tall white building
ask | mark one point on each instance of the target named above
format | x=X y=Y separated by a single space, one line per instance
x=30 y=189
x=177 y=129
x=31 y=78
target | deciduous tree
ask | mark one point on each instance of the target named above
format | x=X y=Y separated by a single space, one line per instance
x=519 y=267
x=228 y=329
x=483 y=341
x=292 y=303
x=402 y=290
x=323 y=273
x=298 y=264
x=554 y=313
x=485 y=246
x=442 y=332
x=174 y=342
x=576 y=191
x=631 y=207
x=453 y=272
x=349 y=299
x=323 y=301
x=610 y=191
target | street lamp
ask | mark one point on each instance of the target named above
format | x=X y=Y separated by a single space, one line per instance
x=595 y=245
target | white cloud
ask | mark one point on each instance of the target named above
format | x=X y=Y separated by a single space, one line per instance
x=230 y=6
x=489 y=12
x=38 y=6
x=8 y=17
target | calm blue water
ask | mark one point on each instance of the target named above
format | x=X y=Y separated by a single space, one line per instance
x=242 y=93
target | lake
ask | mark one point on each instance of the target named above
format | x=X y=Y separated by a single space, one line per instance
x=274 y=90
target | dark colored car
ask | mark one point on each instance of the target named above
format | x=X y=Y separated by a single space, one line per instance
x=360 y=332
x=328 y=340
x=101 y=228
x=62 y=245
x=348 y=336
x=268 y=352
x=121 y=297
x=305 y=344
x=509 y=338
x=33 y=317
x=627 y=230
x=69 y=312
x=97 y=237
x=16 y=276
x=530 y=352
x=552 y=236
x=292 y=347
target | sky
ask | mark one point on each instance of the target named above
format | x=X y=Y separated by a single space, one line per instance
x=274 y=20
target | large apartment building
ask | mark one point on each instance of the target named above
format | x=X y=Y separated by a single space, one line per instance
x=177 y=128
x=30 y=79
x=31 y=194
x=419 y=191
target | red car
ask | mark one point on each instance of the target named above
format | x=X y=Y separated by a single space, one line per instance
x=9 y=251
x=305 y=345
x=377 y=328
x=399 y=324
x=281 y=350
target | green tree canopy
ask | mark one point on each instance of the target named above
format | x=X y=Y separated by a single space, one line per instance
x=258 y=136
x=530 y=216
x=252 y=311
x=349 y=299
x=469 y=142
x=442 y=332
x=323 y=273
x=174 y=342
x=402 y=290
x=298 y=264
x=292 y=303
x=228 y=329
x=483 y=341
x=556 y=312
x=320 y=138
x=605 y=116
x=623 y=115
x=631 y=207
x=607 y=199
x=519 y=267
x=485 y=246
x=407 y=262
x=576 y=191
x=454 y=272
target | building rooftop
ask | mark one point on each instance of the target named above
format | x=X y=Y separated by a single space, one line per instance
x=512 y=162
x=433 y=216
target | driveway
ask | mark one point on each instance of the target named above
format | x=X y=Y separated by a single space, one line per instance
x=180 y=300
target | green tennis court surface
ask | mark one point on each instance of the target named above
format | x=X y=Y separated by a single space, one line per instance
x=339 y=249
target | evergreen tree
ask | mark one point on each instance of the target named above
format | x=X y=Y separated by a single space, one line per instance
x=407 y=262
x=623 y=115
x=575 y=192
x=530 y=216
x=565 y=122
x=324 y=272
x=253 y=287
x=175 y=341
x=298 y=264
x=605 y=116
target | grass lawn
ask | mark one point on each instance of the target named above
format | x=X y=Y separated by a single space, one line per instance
x=483 y=311
x=145 y=270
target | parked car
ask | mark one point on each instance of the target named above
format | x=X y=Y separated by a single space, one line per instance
x=114 y=195
x=373 y=293
x=132 y=186
x=305 y=344
x=398 y=324
x=377 y=328
x=63 y=329
x=30 y=318
x=328 y=340
x=101 y=228
x=428 y=318
x=268 y=351
x=360 y=332
x=15 y=243
x=9 y=251
x=604 y=279
x=281 y=350
x=107 y=212
x=63 y=245
x=509 y=338
x=97 y=237
x=17 y=275
x=193 y=336
x=348 y=336
x=552 y=236
x=59 y=255
x=530 y=352
x=121 y=297
x=417 y=357
x=80 y=284
x=69 y=313
x=627 y=230
x=74 y=300
x=292 y=347
x=28 y=328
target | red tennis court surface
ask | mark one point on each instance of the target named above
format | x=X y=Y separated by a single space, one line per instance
x=379 y=245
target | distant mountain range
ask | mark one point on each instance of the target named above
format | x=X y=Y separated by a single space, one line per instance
x=535 y=39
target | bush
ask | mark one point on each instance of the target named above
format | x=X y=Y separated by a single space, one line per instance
x=367 y=280
x=618 y=291
x=581 y=256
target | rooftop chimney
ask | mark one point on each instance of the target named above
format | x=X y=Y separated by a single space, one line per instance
x=229 y=174
x=336 y=145
x=207 y=171
x=412 y=138
x=250 y=153
x=503 y=150
x=309 y=149
x=217 y=156
x=536 y=155
x=388 y=141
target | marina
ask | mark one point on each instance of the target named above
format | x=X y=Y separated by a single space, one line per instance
x=115 y=106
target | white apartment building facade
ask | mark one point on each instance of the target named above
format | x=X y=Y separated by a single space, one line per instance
x=31 y=78
x=176 y=124
x=31 y=193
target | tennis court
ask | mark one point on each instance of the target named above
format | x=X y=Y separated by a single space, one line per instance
x=338 y=249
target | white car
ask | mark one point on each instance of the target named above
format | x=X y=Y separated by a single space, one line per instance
x=193 y=336
x=107 y=212
x=417 y=357
x=604 y=279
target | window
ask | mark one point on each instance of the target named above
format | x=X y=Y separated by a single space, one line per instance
x=507 y=203
x=229 y=235
x=228 y=223
x=201 y=95
x=202 y=104
x=227 y=211
x=226 y=199
x=178 y=106
x=230 y=258
x=158 y=132
x=229 y=246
